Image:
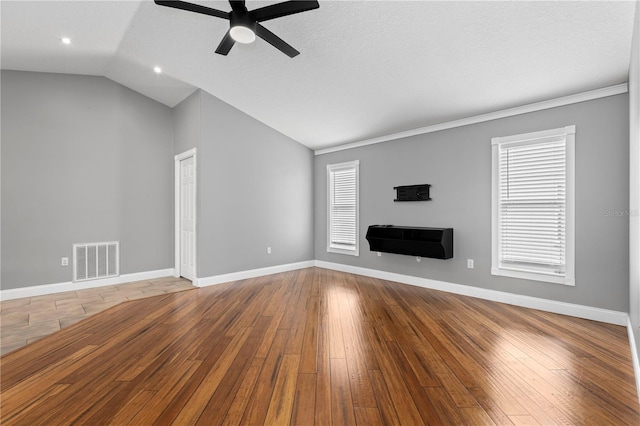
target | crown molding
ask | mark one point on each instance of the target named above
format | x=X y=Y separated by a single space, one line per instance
x=524 y=109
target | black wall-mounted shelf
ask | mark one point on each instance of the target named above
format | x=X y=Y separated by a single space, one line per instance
x=424 y=242
x=412 y=192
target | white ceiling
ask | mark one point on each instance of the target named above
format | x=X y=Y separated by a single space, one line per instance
x=366 y=68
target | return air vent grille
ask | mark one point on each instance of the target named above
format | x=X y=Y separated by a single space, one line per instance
x=96 y=260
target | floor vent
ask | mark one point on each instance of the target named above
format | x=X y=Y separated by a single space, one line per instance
x=95 y=260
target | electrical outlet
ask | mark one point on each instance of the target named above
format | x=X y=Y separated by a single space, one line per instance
x=268 y=250
x=470 y=263
x=418 y=259
x=64 y=261
x=379 y=254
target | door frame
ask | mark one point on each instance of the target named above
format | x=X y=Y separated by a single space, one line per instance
x=177 y=159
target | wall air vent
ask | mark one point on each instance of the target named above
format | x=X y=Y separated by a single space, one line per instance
x=96 y=260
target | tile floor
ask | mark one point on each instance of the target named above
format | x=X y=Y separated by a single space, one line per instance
x=26 y=320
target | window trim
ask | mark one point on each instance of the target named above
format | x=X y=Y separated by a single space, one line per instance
x=568 y=133
x=335 y=248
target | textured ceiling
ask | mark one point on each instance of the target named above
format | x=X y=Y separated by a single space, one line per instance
x=366 y=68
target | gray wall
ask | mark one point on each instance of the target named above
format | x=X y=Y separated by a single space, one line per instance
x=83 y=160
x=634 y=181
x=186 y=124
x=255 y=189
x=457 y=163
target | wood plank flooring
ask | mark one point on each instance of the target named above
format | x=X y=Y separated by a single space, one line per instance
x=322 y=347
x=25 y=320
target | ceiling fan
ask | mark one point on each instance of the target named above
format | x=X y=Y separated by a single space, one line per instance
x=245 y=24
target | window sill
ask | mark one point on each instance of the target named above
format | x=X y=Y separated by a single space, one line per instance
x=502 y=272
x=338 y=250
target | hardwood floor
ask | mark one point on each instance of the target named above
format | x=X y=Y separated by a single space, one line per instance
x=322 y=347
x=25 y=320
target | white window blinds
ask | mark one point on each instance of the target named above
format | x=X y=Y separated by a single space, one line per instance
x=342 y=180
x=531 y=189
x=532 y=205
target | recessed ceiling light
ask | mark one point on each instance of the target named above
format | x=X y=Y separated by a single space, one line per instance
x=65 y=40
x=157 y=70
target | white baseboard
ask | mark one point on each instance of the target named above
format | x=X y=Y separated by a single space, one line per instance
x=252 y=273
x=634 y=354
x=39 y=290
x=580 y=311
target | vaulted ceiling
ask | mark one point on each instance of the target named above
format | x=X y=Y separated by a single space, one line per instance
x=366 y=68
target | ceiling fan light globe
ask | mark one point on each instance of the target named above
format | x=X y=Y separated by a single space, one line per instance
x=242 y=34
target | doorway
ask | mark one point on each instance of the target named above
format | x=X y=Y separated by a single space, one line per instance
x=185 y=214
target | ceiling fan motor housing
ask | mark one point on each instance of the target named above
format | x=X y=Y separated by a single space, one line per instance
x=242 y=18
x=239 y=21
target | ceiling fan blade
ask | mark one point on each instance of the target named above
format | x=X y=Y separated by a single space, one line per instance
x=226 y=44
x=238 y=5
x=282 y=9
x=183 y=5
x=276 y=41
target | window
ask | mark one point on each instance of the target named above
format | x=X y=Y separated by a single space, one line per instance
x=533 y=206
x=342 y=188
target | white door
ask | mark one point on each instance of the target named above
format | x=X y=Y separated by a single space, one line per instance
x=187 y=216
